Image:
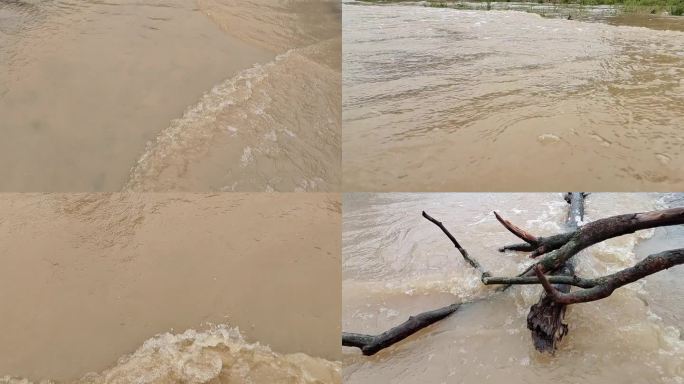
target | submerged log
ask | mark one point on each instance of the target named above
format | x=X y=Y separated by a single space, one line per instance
x=546 y=319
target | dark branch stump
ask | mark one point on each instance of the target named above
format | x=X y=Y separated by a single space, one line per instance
x=546 y=319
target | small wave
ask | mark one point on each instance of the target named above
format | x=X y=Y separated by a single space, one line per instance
x=179 y=137
x=274 y=126
x=218 y=355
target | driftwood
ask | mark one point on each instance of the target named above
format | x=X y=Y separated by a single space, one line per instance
x=604 y=286
x=545 y=319
x=370 y=345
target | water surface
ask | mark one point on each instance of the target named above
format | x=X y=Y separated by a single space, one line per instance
x=446 y=99
x=169 y=95
x=152 y=288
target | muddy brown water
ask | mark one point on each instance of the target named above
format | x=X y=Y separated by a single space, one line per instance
x=170 y=288
x=396 y=264
x=443 y=99
x=180 y=95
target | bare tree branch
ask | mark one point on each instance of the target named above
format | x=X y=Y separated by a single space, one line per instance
x=474 y=263
x=545 y=319
x=523 y=247
x=604 y=229
x=604 y=286
x=540 y=246
x=576 y=212
x=529 y=280
x=517 y=231
x=371 y=345
x=551 y=243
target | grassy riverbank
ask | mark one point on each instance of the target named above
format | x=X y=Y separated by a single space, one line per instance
x=667 y=7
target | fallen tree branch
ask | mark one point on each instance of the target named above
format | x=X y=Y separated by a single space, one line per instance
x=530 y=280
x=536 y=244
x=371 y=345
x=542 y=245
x=523 y=247
x=517 y=231
x=551 y=243
x=576 y=212
x=604 y=286
x=545 y=319
x=474 y=263
x=610 y=227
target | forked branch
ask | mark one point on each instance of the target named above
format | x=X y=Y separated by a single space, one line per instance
x=610 y=227
x=517 y=231
x=604 y=286
x=536 y=244
x=547 y=314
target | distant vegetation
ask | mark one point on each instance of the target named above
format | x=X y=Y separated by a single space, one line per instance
x=672 y=7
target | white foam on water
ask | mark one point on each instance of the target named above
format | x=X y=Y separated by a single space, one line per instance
x=247 y=157
x=187 y=134
x=217 y=355
x=548 y=138
x=231 y=136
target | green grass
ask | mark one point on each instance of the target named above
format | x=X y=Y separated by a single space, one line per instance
x=674 y=7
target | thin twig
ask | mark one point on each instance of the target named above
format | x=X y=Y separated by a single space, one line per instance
x=474 y=263
x=517 y=231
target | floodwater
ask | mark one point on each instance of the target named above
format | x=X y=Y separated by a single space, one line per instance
x=396 y=264
x=170 y=288
x=182 y=95
x=439 y=99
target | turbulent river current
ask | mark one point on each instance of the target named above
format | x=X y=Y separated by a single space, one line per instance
x=182 y=95
x=443 y=99
x=397 y=264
